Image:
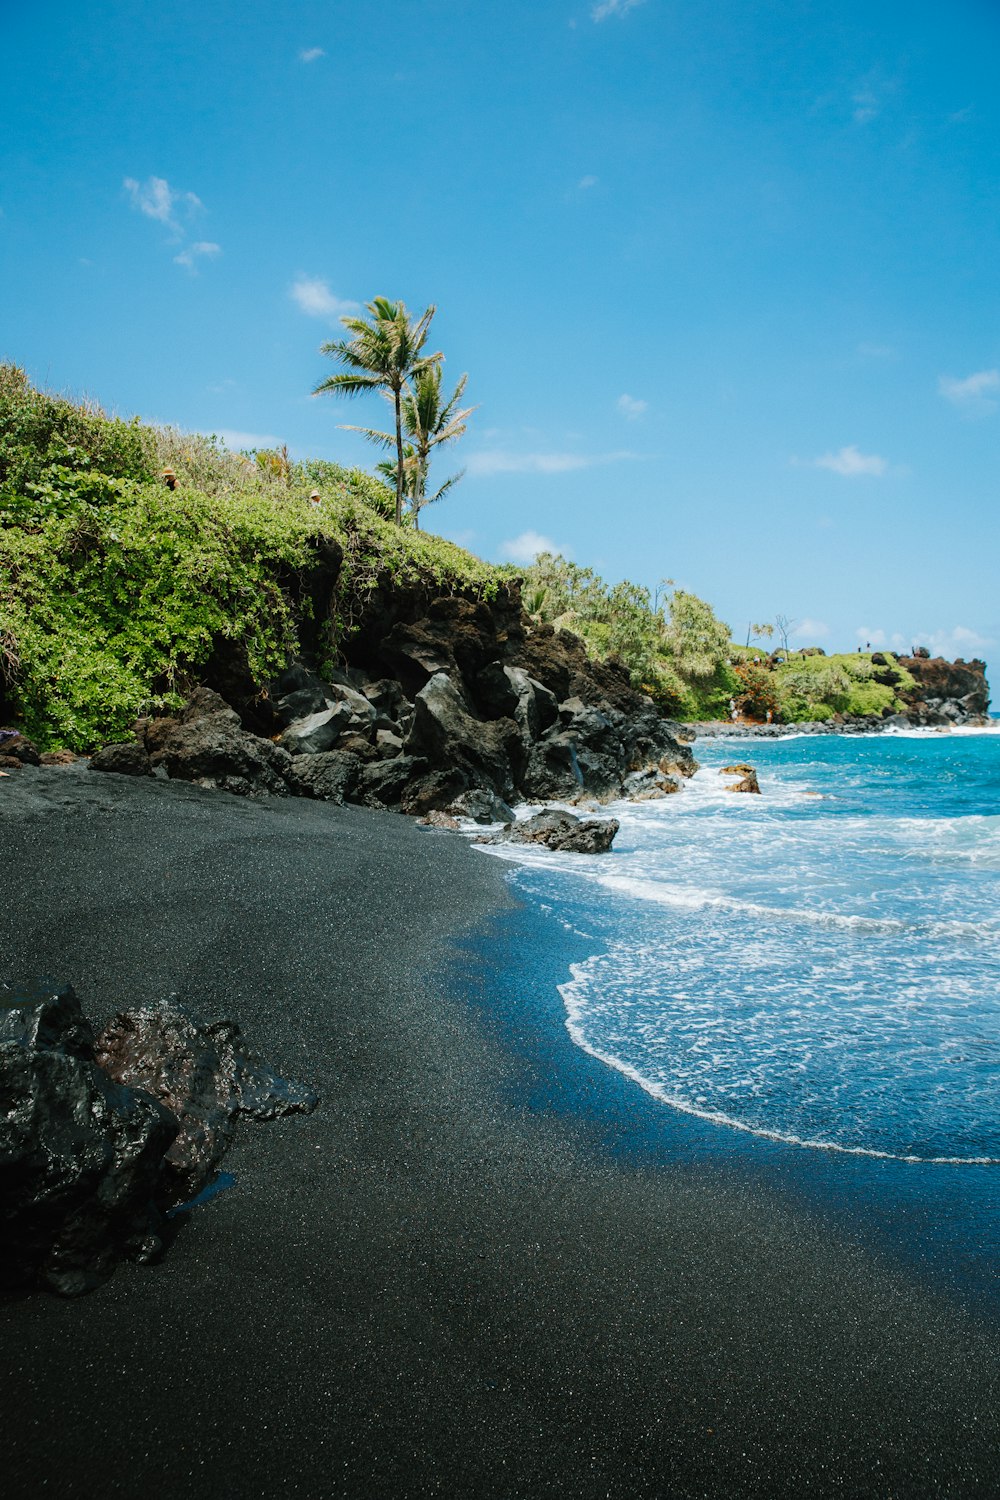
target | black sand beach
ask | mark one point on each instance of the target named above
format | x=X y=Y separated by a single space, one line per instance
x=426 y=1288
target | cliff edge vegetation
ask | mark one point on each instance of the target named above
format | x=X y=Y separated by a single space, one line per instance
x=116 y=589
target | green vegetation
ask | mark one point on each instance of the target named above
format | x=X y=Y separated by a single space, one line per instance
x=114 y=589
x=384 y=354
x=817 y=687
x=676 y=650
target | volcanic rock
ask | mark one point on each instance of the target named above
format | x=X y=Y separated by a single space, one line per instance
x=205 y=1076
x=559 y=830
x=80 y=1155
x=748 y=781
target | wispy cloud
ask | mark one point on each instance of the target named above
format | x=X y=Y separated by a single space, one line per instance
x=876 y=351
x=851 y=463
x=238 y=441
x=311 y=54
x=587 y=182
x=526 y=547
x=496 y=461
x=867 y=106
x=200 y=250
x=959 y=640
x=975 y=394
x=314 y=297
x=631 y=407
x=809 y=631
x=158 y=200
x=619 y=8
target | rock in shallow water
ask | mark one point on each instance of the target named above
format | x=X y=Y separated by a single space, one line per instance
x=748 y=781
x=559 y=830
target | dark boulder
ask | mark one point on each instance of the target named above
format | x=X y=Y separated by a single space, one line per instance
x=80 y=1155
x=508 y=692
x=318 y=731
x=301 y=704
x=16 y=749
x=490 y=753
x=433 y=792
x=383 y=782
x=205 y=1076
x=205 y=744
x=481 y=806
x=130 y=759
x=559 y=830
x=329 y=776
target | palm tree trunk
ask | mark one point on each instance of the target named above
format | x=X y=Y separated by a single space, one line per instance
x=399 y=457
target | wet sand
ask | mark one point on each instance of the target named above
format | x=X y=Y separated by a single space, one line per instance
x=429 y=1287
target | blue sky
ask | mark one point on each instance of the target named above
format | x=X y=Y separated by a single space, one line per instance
x=724 y=275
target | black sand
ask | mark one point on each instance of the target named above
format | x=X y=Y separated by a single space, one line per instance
x=425 y=1288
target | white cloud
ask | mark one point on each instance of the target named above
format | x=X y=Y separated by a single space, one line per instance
x=237 y=441
x=158 y=200
x=202 y=249
x=493 y=461
x=974 y=394
x=810 y=631
x=311 y=54
x=587 y=182
x=526 y=547
x=314 y=297
x=631 y=406
x=619 y=8
x=866 y=106
x=876 y=351
x=850 y=463
x=958 y=641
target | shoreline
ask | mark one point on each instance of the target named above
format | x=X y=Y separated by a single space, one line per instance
x=456 y=1276
x=724 y=729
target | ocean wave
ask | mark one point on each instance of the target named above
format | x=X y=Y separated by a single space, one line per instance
x=575 y=1006
x=693 y=898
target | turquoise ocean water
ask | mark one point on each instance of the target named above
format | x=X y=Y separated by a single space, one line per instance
x=805 y=984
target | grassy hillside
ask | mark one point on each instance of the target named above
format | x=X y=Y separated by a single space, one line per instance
x=114 y=588
x=817 y=687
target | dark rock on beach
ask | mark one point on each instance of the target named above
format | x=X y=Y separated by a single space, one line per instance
x=80 y=1154
x=128 y=759
x=17 y=750
x=205 y=1076
x=98 y=1138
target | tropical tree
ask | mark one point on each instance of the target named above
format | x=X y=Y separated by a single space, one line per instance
x=428 y=422
x=383 y=353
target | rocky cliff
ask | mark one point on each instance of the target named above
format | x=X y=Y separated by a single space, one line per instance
x=444 y=702
x=947 y=692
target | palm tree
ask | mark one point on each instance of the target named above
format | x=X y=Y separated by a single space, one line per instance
x=431 y=423
x=382 y=355
x=428 y=423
